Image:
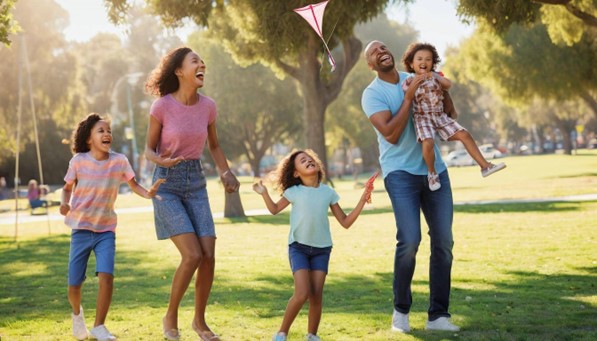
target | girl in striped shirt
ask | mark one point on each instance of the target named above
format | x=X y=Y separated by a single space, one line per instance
x=92 y=181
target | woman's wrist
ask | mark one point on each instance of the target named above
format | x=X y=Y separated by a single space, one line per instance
x=226 y=172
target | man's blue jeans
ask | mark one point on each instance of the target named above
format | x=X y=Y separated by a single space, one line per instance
x=409 y=195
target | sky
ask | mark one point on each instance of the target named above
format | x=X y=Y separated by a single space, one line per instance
x=435 y=20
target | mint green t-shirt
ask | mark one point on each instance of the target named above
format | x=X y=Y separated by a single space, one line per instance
x=309 y=223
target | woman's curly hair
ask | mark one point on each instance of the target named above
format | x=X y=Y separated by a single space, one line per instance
x=83 y=131
x=412 y=49
x=284 y=175
x=163 y=80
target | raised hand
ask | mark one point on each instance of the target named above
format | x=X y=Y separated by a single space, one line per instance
x=259 y=188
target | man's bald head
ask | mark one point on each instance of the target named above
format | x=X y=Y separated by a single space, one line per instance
x=370 y=45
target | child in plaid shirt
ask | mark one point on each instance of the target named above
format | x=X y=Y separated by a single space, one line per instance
x=429 y=114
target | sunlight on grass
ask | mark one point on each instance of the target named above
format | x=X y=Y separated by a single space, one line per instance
x=522 y=271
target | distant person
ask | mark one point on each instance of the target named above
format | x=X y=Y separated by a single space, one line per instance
x=300 y=177
x=388 y=108
x=4 y=193
x=34 y=194
x=429 y=114
x=181 y=121
x=92 y=181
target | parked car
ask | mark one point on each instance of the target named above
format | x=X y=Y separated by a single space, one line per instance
x=459 y=158
x=490 y=152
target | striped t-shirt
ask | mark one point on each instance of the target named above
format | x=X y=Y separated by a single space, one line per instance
x=96 y=187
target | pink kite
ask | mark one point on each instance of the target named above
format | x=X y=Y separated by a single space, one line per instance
x=314 y=16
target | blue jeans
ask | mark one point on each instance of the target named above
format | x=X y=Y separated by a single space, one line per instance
x=409 y=195
x=184 y=207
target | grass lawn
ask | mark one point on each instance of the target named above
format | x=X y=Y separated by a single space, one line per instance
x=521 y=271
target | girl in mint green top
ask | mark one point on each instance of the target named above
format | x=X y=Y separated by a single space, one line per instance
x=299 y=176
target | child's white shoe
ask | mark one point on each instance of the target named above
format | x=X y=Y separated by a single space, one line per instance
x=80 y=331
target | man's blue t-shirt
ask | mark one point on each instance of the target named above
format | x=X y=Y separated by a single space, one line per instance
x=406 y=154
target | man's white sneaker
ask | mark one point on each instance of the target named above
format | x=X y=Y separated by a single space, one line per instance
x=400 y=322
x=101 y=333
x=442 y=323
x=80 y=331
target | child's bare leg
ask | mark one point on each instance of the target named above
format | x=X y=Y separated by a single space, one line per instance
x=300 y=296
x=316 y=300
x=74 y=297
x=104 y=297
x=471 y=147
x=428 y=155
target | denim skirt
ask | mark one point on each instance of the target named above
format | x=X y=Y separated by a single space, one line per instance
x=184 y=205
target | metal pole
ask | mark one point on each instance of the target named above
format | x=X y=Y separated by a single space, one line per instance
x=132 y=125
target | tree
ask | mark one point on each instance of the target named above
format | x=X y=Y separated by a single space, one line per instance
x=566 y=20
x=7 y=25
x=38 y=49
x=256 y=109
x=345 y=119
x=269 y=32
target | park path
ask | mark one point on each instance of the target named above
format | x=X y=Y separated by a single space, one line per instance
x=24 y=217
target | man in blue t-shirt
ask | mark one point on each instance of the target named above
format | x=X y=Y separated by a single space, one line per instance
x=388 y=108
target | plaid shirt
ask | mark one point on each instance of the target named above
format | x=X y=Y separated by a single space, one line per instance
x=429 y=97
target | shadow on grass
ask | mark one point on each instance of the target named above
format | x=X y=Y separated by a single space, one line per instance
x=519 y=207
x=583 y=175
x=34 y=280
x=528 y=306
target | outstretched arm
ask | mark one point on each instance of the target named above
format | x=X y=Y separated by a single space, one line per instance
x=273 y=207
x=347 y=220
x=146 y=193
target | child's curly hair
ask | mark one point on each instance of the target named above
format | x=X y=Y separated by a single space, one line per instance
x=83 y=131
x=409 y=55
x=163 y=80
x=284 y=175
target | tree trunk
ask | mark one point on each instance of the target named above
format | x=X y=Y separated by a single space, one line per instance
x=590 y=101
x=233 y=207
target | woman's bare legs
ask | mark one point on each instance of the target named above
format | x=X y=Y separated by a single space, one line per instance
x=316 y=300
x=204 y=281
x=190 y=251
x=302 y=288
x=471 y=147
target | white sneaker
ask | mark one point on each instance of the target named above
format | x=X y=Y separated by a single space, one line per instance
x=442 y=323
x=492 y=169
x=311 y=337
x=80 y=331
x=400 y=322
x=280 y=336
x=433 y=180
x=101 y=333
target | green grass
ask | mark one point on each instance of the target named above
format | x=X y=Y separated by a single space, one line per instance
x=521 y=271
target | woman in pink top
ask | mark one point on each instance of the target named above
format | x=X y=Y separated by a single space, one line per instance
x=181 y=122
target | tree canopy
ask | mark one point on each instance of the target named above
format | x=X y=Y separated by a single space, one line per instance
x=269 y=32
x=566 y=20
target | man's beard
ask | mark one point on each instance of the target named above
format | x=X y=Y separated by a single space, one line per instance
x=386 y=68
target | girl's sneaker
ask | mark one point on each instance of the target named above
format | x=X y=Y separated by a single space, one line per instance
x=280 y=336
x=311 y=337
x=80 y=331
x=433 y=180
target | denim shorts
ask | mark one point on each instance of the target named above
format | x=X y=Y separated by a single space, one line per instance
x=82 y=242
x=184 y=207
x=307 y=257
